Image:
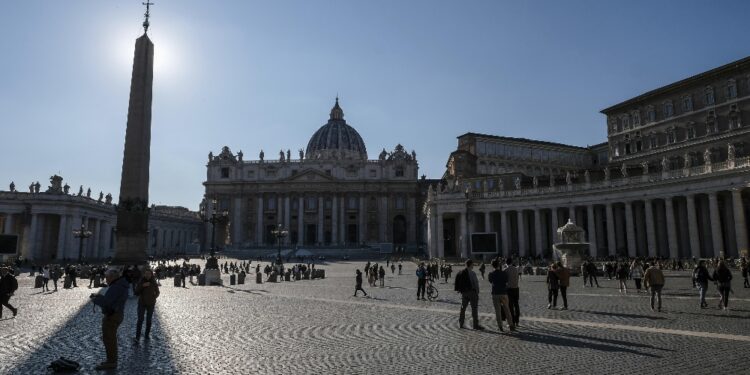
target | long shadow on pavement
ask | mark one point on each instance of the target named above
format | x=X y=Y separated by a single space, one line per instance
x=567 y=341
x=621 y=315
x=79 y=339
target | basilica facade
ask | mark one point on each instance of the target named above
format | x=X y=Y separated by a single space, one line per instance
x=671 y=180
x=326 y=195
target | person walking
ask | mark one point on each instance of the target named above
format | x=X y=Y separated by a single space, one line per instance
x=55 y=275
x=636 y=273
x=381 y=274
x=45 y=278
x=585 y=272
x=592 y=274
x=513 y=292
x=8 y=286
x=563 y=274
x=723 y=278
x=147 y=291
x=499 y=280
x=468 y=285
x=622 y=273
x=653 y=279
x=553 y=286
x=393 y=268
x=400 y=266
x=358 y=285
x=421 y=280
x=482 y=269
x=112 y=303
x=744 y=269
x=700 y=279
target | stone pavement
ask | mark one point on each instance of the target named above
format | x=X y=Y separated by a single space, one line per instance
x=317 y=326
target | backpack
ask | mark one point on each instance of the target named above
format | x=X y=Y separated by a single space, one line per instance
x=64 y=365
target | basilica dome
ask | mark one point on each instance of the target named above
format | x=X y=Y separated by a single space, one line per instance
x=336 y=139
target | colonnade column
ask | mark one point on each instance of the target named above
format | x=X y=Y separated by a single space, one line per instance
x=8 y=227
x=301 y=220
x=590 y=225
x=671 y=228
x=538 y=231
x=611 y=238
x=650 y=230
x=237 y=223
x=462 y=236
x=71 y=251
x=383 y=219
x=362 y=219
x=630 y=229
x=487 y=224
x=739 y=221
x=334 y=220
x=553 y=223
x=439 y=237
x=97 y=239
x=287 y=218
x=713 y=207
x=411 y=221
x=504 y=233
x=258 y=225
x=62 y=235
x=342 y=210
x=695 y=250
x=321 y=220
x=521 y=233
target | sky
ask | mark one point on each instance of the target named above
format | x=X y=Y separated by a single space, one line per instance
x=256 y=75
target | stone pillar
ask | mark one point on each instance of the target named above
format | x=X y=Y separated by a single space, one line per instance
x=505 y=233
x=342 y=225
x=650 y=230
x=96 y=241
x=521 y=233
x=237 y=223
x=591 y=226
x=611 y=237
x=72 y=248
x=671 y=228
x=538 y=230
x=8 y=227
x=31 y=248
x=740 y=229
x=439 y=236
x=301 y=220
x=463 y=237
x=554 y=224
x=630 y=229
x=487 y=224
x=695 y=244
x=334 y=220
x=411 y=220
x=362 y=219
x=321 y=220
x=279 y=211
x=383 y=219
x=62 y=236
x=287 y=219
x=259 y=224
x=716 y=237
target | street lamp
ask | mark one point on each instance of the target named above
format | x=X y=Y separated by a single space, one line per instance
x=81 y=234
x=280 y=233
x=214 y=218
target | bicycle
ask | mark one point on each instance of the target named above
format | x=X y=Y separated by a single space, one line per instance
x=432 y=291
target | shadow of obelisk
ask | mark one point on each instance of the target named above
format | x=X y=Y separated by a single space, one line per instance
x=132 y=209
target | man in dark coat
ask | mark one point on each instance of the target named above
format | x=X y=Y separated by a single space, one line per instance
x=8 y=286
x=147 y=291
x=112 y=303
x=468 y=285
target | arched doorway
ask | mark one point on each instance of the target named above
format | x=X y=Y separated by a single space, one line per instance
x=399 y=230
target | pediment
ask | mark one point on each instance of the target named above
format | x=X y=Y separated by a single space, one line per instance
x=310 y=175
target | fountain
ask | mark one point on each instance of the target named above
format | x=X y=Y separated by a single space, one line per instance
x=571 y=246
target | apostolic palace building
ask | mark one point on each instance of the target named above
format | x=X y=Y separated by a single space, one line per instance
x=670 y=181
x=328 y=195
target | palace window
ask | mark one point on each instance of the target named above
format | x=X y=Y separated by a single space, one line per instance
x=271 y=173
x=352 y=204
x=687 y=103
x=636 y=118
x=653 y=141
x=328 y=172
x=225 y=172
x=400 y=203
x=625 y=122
x=671 y=136
x=731 y=89
x=651 y=114
x=311 y=203
x=668 y=109
x=399 y=171
x=691 y=132
x=734 y=121
x=271 y=204
x=709 y=96
x=251 y=174
x=329 y=204
x=373 y=173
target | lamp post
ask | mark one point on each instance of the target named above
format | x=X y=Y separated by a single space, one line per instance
x=280 y=233
x=214 y=218
x=81 y=234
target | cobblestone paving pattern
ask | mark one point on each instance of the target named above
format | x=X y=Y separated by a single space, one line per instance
x=318 y=327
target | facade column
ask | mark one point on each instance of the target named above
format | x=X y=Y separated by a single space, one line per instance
x=740 y=229
x=591 y=226
x=538 y=230
x=362 y=219
x=258 y=225
x=521 y=233
x=554 y=224
x=62 y=236
x=487 y=224
x=411 y=220
x=713 y=207
x=611 y=237
x=650 y=230
x=72 y=248
x=321 y=220
x=695 y=247
x=237 y=223
x=96 y=246
x=505 y=233
x=439 y=236
x=463 y=250
x=342 y=224
x=334 y=220
x=206 y=226
x=8 y=227
x=671 y=228
x=287 y=218
x=31 y=249
x=630 y=229
x=301 y=220
x=383 y=219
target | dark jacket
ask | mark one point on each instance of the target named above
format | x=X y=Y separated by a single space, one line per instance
x=359 y=279
x=499 y=281
x=147 y=295
x=553 y=282
x=8 y=285
x=463 y=281
x=723 y=277
x=700 y=275
x=113 y=301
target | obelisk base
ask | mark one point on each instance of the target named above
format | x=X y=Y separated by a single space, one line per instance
x=132 y=233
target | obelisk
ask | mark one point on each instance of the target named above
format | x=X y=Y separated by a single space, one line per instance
x=132 y=209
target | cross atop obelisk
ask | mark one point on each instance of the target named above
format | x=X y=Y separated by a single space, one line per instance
x=132 y=208
x=146 y=15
